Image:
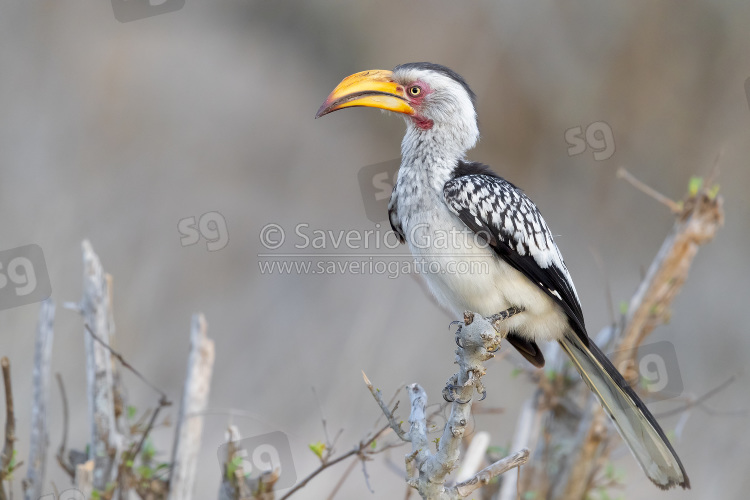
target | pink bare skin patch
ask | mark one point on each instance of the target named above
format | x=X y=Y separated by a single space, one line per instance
x=416 y=102
x=423 y=123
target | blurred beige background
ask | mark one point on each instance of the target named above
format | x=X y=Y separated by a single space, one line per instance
x=117 y=131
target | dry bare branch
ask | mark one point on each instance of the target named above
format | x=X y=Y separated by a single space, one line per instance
x=396 y=426
x=465 y=488
x=194 y=400
x=39 y=441
x=105 y=441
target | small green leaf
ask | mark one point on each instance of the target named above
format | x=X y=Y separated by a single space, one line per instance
x=609 y=470
x=132 y=411
x=317 y=448
x=374 y=444
x=516 y=372
x=551 y=375
x=148 y=451
x=623 y=307
x=695 y=185
x=145 y=472
x=232 y=466
x=713 y=192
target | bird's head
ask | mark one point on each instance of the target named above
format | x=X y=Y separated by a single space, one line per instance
x=434 y=100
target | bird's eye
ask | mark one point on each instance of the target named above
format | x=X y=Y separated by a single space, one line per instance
x=415 y=90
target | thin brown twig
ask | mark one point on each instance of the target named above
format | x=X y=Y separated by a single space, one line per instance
x=122 y=360
x=10 y=427
x=10 y=419
x=359 y=450
x=323 y=420
x=163 y=402
x=341 y=480
x=607 y=288
x=67 y=467
x=714 y=172
x=648 y=190
x=699 y=400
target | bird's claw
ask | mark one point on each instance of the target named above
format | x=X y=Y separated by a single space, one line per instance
x=484 y=395
x=494 y=350
x=450 y=397
x=458 y=339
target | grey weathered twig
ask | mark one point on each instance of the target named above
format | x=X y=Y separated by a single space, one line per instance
x=474 y=456
x=485 y=475
x=39 y=442
x=189 y=421
x=396 y=426
x=105 y=441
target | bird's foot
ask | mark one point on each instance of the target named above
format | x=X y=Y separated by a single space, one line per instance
x=496 y=320
x=449 y=394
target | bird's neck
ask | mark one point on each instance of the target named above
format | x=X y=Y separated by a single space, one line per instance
x=428 y=157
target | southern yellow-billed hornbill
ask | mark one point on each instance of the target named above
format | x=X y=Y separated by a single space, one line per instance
x=526 y=284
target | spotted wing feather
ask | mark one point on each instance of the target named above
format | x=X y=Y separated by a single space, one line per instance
x=510 y=222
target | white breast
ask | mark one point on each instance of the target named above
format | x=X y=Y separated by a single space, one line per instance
x=464 y=273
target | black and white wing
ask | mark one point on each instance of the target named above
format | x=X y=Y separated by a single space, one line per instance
x=510 y=222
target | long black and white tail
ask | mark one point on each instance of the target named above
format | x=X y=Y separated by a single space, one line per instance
x=635 y=423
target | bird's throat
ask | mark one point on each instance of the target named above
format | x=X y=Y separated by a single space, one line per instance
x=423 y=123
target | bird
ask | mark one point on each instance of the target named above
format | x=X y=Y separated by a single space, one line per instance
x=525 y=282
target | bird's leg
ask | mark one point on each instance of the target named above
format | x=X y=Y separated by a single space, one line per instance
x=497 y=319
x=502 y=316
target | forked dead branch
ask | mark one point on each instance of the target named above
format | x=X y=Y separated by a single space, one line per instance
x=428 y=471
